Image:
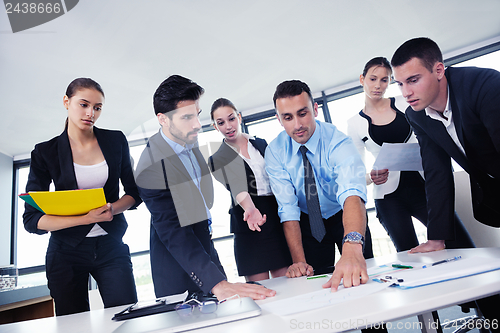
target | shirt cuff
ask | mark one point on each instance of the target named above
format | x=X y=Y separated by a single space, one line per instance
x=290 y=213
x=344 y=195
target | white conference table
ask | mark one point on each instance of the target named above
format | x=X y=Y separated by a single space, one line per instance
x=387 y=305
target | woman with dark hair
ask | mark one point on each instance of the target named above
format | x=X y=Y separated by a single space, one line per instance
x=260 y=246
x=399 y=195
x=85 y=157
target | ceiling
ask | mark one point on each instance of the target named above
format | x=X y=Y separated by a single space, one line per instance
x=235 y=49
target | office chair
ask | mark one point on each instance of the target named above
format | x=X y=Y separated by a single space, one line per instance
x=483 y=236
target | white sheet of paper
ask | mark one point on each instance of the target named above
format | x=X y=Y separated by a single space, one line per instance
x=460 y=268
x=399 y=157
x=321 y=298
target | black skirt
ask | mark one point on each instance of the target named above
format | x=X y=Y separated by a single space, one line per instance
x=256 y=252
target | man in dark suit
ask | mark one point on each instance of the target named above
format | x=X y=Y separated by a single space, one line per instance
x=176 y=186
x=455 y=113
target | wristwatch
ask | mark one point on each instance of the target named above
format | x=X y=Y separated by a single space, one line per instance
x=354 y=237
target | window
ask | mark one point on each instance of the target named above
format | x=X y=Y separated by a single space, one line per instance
x=222 y=204
x=31 y=248
x=137 y=234
x=490 y=60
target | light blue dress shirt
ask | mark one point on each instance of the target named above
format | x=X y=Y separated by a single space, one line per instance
x=337 y=165
x=191 y=164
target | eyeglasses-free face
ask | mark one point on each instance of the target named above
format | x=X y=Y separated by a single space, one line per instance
x=185 y=309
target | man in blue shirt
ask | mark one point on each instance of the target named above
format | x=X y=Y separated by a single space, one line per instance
x=339 y=187
x=176 y=186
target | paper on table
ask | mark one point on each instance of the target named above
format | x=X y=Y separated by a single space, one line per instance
x=72 y=202
x=175 y=298
x=412 y=278
x=399 y=157
x=321 y=298
x=384 y=269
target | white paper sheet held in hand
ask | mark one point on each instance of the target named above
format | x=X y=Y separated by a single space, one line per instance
x=399 y=157
x=321 y=298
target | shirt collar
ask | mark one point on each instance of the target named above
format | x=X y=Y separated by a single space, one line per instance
x=245 y=135
x=178 y=149
x=312 y=143
x=437 y=115
x=248 y=136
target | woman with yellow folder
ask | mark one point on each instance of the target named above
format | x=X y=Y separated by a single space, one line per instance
x=85 y=157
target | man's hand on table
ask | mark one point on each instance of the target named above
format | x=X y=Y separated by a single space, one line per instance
x=299 y=269
x=351 y=267
x=226 y=289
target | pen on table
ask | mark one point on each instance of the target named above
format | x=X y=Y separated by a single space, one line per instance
x=316 y=276
x=401 y=266
x=443 y=261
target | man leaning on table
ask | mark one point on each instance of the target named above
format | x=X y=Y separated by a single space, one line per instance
x=332 y=209
x=455 y=113
x=176 y=186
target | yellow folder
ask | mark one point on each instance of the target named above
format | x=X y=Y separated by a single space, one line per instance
x=73 y=202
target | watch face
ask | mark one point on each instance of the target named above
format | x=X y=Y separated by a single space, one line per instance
x=354 y=237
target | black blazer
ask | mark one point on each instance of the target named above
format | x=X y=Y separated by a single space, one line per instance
x=236 y=175
x=180 y=243
x=52 y=161
x=475 y=103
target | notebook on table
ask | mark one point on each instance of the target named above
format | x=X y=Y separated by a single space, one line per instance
x=172 y=322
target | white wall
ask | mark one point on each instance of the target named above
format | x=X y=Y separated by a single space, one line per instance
x=6 y=169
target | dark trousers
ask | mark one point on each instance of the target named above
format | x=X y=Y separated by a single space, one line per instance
x=396 y=210
x=321 y=256
x=68 y=269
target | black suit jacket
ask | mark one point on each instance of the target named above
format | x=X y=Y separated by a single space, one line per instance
x=236 y=175
x=52 y=161
x=475 y=104
x=181 y=249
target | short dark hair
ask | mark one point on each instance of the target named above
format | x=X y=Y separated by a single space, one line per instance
x=173 y=90
x=422 y=48
x=221 y=102
x=290 y=89
x=378 y=61
x=82 y=83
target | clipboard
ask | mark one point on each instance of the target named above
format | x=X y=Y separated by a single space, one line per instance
x=171 y=321
x=146 y=309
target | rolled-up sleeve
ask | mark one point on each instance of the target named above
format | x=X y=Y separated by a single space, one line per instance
x=282 y=187
x=349 y=170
